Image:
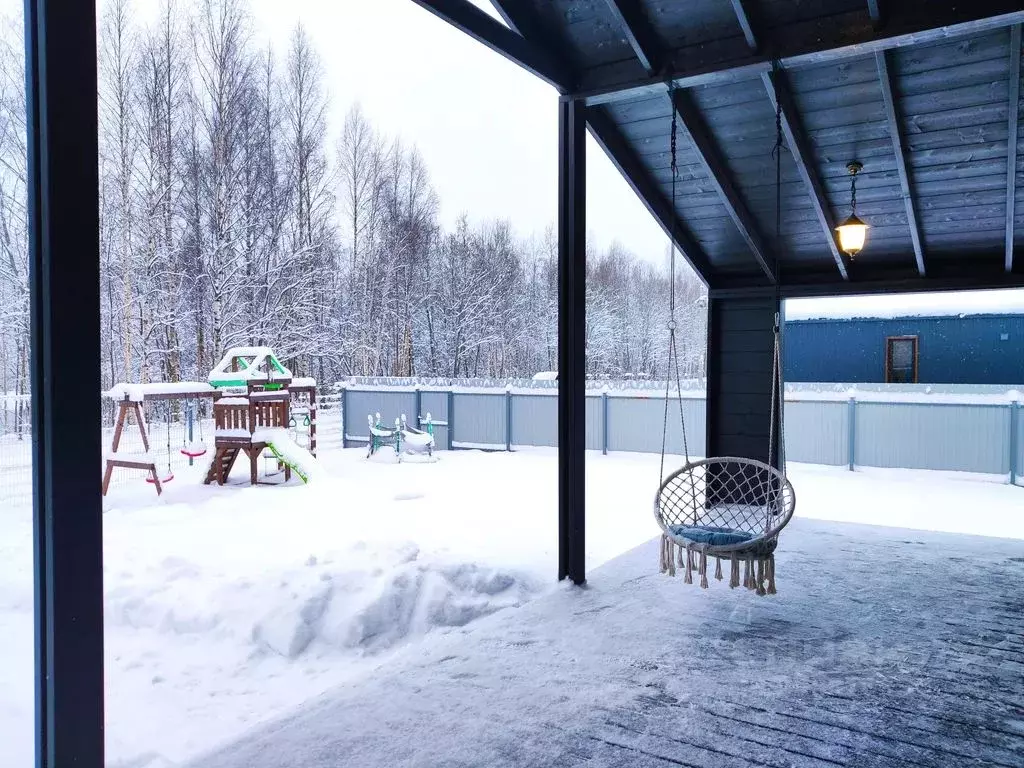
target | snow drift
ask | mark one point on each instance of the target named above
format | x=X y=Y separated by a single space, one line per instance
x=363 y=599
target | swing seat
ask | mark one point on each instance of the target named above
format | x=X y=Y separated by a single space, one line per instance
x=194 y=450
x=726 y=505
x=709 y=534
x=728 y=508
x=165 y=479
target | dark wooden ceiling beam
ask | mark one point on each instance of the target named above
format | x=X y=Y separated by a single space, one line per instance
x=896 y=133
x=607 y=135
x=1011 y=161
x=710 y=157
x=796 y=140
x=800 y=150
x=746 y=22
x=482 y=27
x=875 y=11
x=807 y=44
x=639 y=33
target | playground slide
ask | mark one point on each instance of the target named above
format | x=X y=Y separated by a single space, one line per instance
x=287 y=451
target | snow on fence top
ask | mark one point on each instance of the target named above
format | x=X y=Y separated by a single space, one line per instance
x=138 y=392
x=1005 y=302
x=694 y=389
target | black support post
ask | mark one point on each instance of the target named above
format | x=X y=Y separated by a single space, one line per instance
x=741 y=344
x=572 y=265
x=60 y=43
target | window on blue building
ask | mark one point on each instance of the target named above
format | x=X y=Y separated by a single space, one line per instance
x=901 y=360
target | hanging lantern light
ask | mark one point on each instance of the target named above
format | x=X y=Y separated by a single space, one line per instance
x=852 y=232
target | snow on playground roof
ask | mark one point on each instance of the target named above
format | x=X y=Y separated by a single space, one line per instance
x=253 y=357
x=138 y=392
x=908 y=305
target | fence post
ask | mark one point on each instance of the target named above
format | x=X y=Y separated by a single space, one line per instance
x=852 y=417
x=1014 y=431
x=451 y=420
x=604 y=422
x=417 y=407
x=508 y=417
x=344 y=417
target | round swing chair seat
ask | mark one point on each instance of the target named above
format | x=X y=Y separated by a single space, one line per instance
x=165 y=479
x=729 y=508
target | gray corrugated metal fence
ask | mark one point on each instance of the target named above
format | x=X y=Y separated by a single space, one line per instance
x=967 y=438
x=980 y=437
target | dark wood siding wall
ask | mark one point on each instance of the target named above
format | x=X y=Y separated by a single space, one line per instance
x=741 y=344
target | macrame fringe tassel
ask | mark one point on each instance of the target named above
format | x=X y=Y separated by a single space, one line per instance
x=693 y=558
x=760 y=577
x=704 y=568
x=689 y=567
x=669 y=557
x=734 y=577
x=771 y=574
x=746 y=572
x=718 y=568
x=662 y=561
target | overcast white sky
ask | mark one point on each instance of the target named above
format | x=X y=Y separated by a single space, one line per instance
x=487 y=129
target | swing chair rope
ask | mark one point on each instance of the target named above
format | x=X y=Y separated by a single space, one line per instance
x=725 y=506
x=778 y=395
x=672 y=362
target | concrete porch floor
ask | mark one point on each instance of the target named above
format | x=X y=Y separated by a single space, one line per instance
x=884 y=647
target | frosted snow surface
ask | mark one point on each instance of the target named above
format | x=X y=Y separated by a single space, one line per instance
x=227 y=608
x=872 y=654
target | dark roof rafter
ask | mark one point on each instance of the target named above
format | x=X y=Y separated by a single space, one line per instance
x=466 y=17
x=1011 y=163
x=806 y=44
x=896 y=133
x=739 y=7
x=639 y=33
x=799 y=149
x=796 y=140
x=875 y=11
x=604 y=131
x=710 y=157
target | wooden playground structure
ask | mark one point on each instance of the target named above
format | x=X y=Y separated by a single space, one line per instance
x=252 y=394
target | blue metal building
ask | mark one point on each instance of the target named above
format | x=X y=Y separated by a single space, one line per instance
x=955 y=349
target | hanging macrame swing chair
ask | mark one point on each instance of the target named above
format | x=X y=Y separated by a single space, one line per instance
x=727 y=508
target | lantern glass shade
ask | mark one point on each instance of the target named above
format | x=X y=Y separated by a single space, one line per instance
x=852 y=234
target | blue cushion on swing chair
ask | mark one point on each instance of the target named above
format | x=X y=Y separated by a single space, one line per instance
x=707 y=534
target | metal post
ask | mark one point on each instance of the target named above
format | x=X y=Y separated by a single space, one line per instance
x=508 y=418
x=851 y=448
x=572 y=431
x=604 y=423
x=190 y=407
x=1014 y=440
x=451 y=420
x=344 y=417
x=64 y=274
x=417 y=407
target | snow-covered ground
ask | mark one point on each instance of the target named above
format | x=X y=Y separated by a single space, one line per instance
x=230 y=606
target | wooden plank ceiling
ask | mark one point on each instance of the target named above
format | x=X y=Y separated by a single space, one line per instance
x=925 y=94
